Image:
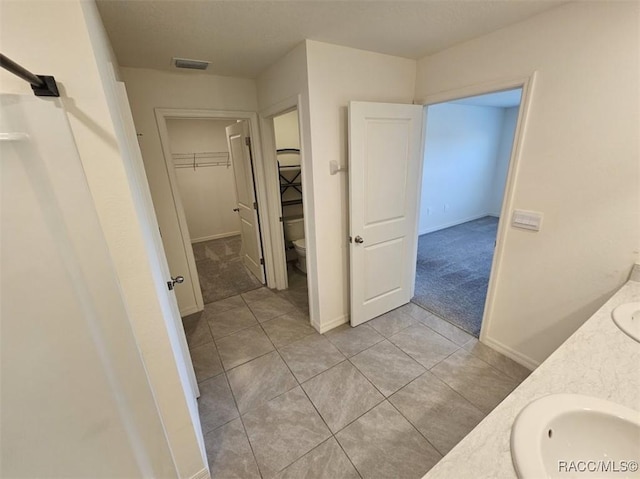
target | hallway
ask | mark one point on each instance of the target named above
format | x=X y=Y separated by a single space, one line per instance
x=385 y=399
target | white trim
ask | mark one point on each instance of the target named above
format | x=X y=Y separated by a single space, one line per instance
x=202 y=239
x=519 y=358
x=162 y=114
x=203 y=474
x=188 y=311
x=527 y=83
x=454 y=223
x=273 y=191
x=492 y=86
x=329 y=325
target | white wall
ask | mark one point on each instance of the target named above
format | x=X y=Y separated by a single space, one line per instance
x=338 y=75
x=460 y=163
x=66 y=39
x=287 y=135
x=286 y=129
x=208 y=193
x=149 y=89
x=505 y=146
x=578 y=164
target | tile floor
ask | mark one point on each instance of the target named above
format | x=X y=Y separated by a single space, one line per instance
x=220 y=269
x=385 y=399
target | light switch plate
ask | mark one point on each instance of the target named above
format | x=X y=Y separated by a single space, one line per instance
x=528 y=220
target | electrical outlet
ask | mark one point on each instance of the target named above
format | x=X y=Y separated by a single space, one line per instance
x=445 y=208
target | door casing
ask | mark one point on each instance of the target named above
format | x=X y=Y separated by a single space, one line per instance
x=162 y=115
x=273 y=191
x=527 y=83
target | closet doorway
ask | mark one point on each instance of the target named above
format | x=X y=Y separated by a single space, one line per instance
x=206 y=183
x=468 y=148
x=196 y=146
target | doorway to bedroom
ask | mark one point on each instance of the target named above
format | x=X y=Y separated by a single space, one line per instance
x=468 y=145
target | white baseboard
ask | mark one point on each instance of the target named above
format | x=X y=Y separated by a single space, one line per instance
x=188 y=311
x=212 y=237
x=452 y=223
x=329 y=325
x=203 y=474
x=519 y=358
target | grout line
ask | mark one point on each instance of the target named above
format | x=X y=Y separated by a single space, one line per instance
x=418 y=431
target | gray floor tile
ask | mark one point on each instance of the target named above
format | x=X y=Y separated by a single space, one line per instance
x=383 y=444
x=327 y=461
x=229 y=453
x=216 y=404
x=475 y=380
x=228 y=322
x=353 y=340
x=224 y=305
x=260 y=380
x=288 y=328
x=392 y=322
x=497 y=360
x=442 y=415
x=298 y=297
x=196 y=330
x=283 y=430
x=310 y=356
x=387 y=367
x=206 y=362
x=257 y=295
x=269 y=308
x=439 y=325
x=341 y=395
x=243 y=346
x=424 y=345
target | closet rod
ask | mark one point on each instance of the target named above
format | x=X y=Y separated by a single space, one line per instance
x=42 y=85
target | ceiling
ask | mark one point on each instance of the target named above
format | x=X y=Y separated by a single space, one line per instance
x=243 y=37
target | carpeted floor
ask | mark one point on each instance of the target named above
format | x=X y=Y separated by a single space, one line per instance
x=220 y=269
x=453 y=270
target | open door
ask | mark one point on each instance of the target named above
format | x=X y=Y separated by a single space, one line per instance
x=384 y=177
x=239 y=143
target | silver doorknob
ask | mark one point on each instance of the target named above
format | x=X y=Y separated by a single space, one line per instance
x=358 y=239
x=174 y=281
x=236 y=210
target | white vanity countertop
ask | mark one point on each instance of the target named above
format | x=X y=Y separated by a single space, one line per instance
x=597 y=360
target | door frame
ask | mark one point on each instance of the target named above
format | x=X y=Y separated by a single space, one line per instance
x=164 y=114
x=527 y=83
x=272 y=183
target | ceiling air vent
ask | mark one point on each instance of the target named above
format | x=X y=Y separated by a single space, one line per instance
x=191 y=64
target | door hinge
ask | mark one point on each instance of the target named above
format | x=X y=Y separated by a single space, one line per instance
x=247 y=141
x=261 y=260
x=255 y=205
x=281 y=219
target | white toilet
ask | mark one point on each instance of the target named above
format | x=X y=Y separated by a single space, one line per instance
x=294 y=232
x=301 y=250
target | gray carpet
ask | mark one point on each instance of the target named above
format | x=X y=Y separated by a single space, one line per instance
x=220 y=269
x=452 y=273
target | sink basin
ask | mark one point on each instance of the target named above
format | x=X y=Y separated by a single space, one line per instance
x=627 y=317
x=568 y=435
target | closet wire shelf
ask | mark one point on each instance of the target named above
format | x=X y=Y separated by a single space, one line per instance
x=201 y=159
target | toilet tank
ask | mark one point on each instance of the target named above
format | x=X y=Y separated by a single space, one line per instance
x=293 y=229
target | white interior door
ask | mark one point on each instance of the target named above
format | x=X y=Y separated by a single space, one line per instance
x=385 y=145
x=239 y=143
